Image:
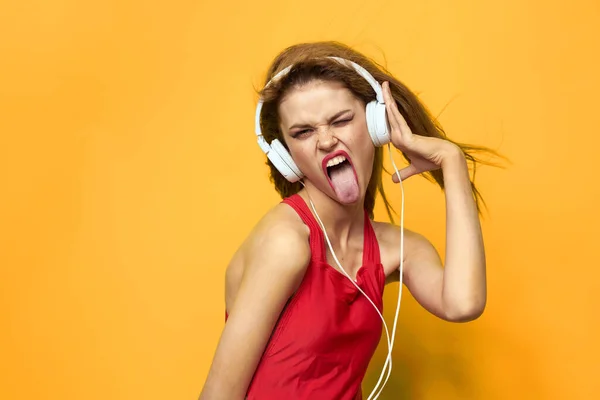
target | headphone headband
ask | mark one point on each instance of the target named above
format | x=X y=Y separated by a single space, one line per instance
x=350 y=64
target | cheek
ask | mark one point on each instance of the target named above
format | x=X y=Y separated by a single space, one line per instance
x=359 y=133
x=364 y=149
x=361 y=141
x=303 y=157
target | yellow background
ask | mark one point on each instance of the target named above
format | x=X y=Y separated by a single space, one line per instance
x=130 y=173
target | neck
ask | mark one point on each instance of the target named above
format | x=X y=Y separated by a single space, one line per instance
x=341 y=221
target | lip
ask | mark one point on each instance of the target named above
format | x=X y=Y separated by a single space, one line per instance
x=332 y=155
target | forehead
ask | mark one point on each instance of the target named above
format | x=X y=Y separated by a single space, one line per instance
x=315 y=101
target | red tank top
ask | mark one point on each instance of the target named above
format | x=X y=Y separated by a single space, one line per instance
x=328 y=331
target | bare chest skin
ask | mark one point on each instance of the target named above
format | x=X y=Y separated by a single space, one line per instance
x=351 y=258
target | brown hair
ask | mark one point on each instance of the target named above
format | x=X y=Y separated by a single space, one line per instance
x=309 y=62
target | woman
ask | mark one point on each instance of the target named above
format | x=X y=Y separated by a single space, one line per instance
x=299 y=327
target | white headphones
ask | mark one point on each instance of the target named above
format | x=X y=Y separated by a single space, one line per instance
x=375 y=115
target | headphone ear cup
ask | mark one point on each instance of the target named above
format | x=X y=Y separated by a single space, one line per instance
x=284 y=163
x=377 y=123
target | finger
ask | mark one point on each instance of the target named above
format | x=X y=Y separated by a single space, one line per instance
x=390 y=105
x=404 y=128
x=403 y=125
x=405 y=173
x=395 y=114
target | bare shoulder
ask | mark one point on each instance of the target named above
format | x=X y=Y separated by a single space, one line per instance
x=415 y=246
x=279 y=240
x=280 y=224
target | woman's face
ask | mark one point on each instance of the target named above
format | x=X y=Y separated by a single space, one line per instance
x=325 y=129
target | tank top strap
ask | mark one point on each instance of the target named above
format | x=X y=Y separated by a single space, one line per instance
x=371 y=254
x=316 y=239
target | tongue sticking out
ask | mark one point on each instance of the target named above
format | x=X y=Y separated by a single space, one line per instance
x=343 y=181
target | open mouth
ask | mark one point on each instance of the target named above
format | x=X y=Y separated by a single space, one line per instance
x=341 y=176
x=336 y=163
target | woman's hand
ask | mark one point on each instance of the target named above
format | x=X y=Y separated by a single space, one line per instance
x=425 y=153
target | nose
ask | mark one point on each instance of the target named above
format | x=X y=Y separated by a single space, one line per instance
x=326 y=139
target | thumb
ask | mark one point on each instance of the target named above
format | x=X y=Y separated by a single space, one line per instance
x=405 y=173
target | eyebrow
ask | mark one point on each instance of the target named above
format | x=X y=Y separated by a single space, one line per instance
x=337 y=115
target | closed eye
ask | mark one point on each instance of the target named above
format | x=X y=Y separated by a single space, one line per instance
x=301 y=133
x=338 y=123
x=342 y=122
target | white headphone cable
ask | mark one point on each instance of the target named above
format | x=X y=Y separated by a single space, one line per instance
x=390 y=342
x=401 y=271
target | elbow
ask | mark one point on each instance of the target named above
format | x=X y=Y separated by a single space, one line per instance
x=465 y=312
